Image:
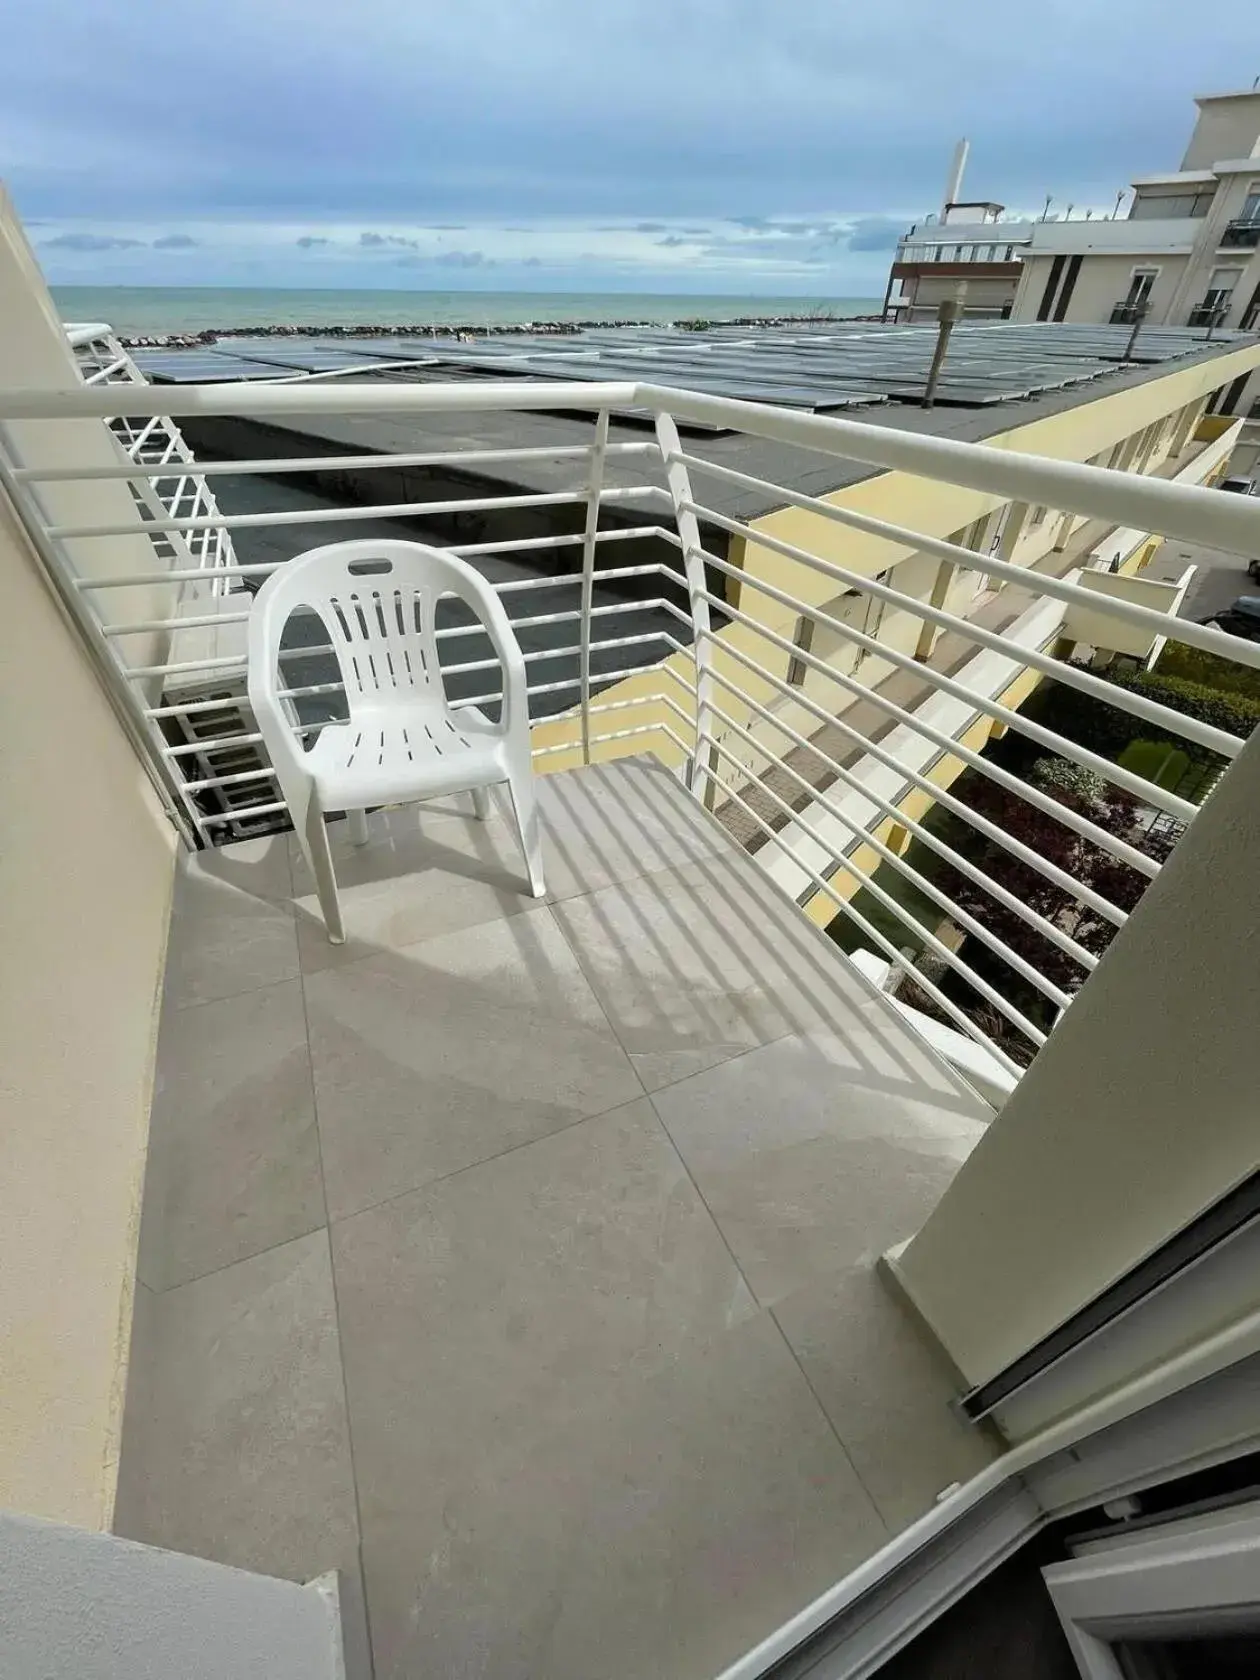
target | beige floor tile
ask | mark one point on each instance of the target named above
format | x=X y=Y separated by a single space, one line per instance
x=809 y=1166
x=240 y=1450
x=612 y=822
x=233 y=1148
x=580 y=1451
x=231 y=924
x=696 y=965
x=451 y=1051
x=426 y=870
x=886 y=1391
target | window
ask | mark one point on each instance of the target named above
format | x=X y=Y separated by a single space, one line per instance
x=803 y=638
x=1171 y=206
x=1220 y=287
x=1251 y=206
x=1141 y=283
x=1036 y=517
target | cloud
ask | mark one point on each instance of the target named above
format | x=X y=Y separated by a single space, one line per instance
x=175 y=242
x=309 y=241
x=494 y=114
x=464 y=259
x=672 y=239
x=382 y=241
x=90 y=242
x=875 y=233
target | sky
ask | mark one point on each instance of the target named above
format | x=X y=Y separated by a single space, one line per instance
x=772 y=147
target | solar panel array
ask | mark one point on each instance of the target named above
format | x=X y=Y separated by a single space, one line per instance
x=824 y=367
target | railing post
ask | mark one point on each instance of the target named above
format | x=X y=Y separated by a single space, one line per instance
x=679 y=481
x=594 y=486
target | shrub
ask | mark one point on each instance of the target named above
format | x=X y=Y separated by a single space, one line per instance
x=1209 y=669
x=1108 y=730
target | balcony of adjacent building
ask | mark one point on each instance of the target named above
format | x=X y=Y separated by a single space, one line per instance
x=1211 y=313
x=520 y=1258
x=1242 y=234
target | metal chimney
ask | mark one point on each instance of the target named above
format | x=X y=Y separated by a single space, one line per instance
x=953 y=186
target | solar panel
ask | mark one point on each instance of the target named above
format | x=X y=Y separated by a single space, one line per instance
x=813 y=365
x=199 y=367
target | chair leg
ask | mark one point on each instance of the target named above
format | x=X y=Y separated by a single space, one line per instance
x=314 y=842
x=357 y=823
x=481 y=803
x=525 y=804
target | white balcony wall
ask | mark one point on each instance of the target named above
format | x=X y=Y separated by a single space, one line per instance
x=86 y=870
x=1139 y=237
x=1102 y=629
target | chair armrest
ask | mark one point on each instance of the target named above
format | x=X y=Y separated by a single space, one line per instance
x=484 y=601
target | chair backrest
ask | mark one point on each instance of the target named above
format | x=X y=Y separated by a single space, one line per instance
x=378 y=603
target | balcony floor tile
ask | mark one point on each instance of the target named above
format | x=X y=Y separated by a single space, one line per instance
x=235 y=1444
x=231 y=923
x=582 y=1380
x=434 y=1057
x=885 y=1390
x=233 y=1162
x=699 y=964
x=426 y=870
x=812 y=1157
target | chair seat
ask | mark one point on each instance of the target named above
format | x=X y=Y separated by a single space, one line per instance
x=395 y=753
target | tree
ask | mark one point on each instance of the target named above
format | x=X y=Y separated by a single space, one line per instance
x=1085 y=861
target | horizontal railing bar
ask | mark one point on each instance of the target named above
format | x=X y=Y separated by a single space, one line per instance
x=228 y=781
x=216 y=817
x=921 y=882
x=327 y=516
x=963 y=1021
x=951 y=745
x=264 y=568
x=615 y=735
x=214 y=620
x=1124 y=499
x=1084 y=756
x=285 y=464
x=1022 y=577
x=1190 y=513
x=951 y=958
x=184 y=402
x=964 y=866
x=213 y=744
x=1216 y=740
x=238 y=662
x=942 y=796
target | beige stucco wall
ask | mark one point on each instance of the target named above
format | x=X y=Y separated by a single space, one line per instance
x=86 y=865
x=1138 y=1113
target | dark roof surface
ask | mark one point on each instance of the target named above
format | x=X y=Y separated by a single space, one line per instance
x=997 y=376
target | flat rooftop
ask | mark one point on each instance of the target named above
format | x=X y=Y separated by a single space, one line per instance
x=996 y=376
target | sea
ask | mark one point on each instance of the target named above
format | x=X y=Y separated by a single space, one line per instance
x=144 y=311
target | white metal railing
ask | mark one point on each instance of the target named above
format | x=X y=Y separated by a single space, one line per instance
x=828 y=766
x=157 y=442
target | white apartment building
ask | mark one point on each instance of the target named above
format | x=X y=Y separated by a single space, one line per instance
x=1186 y=255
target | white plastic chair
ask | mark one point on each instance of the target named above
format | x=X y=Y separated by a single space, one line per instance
x=403 y=742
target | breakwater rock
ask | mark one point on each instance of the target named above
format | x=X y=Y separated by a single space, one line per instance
x=458 y=331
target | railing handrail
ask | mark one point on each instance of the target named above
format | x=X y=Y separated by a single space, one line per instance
x=1187 y=512
x=727 y=731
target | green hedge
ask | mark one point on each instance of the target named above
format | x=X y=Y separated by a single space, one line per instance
x=1109 y=730
x=1209 y=669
